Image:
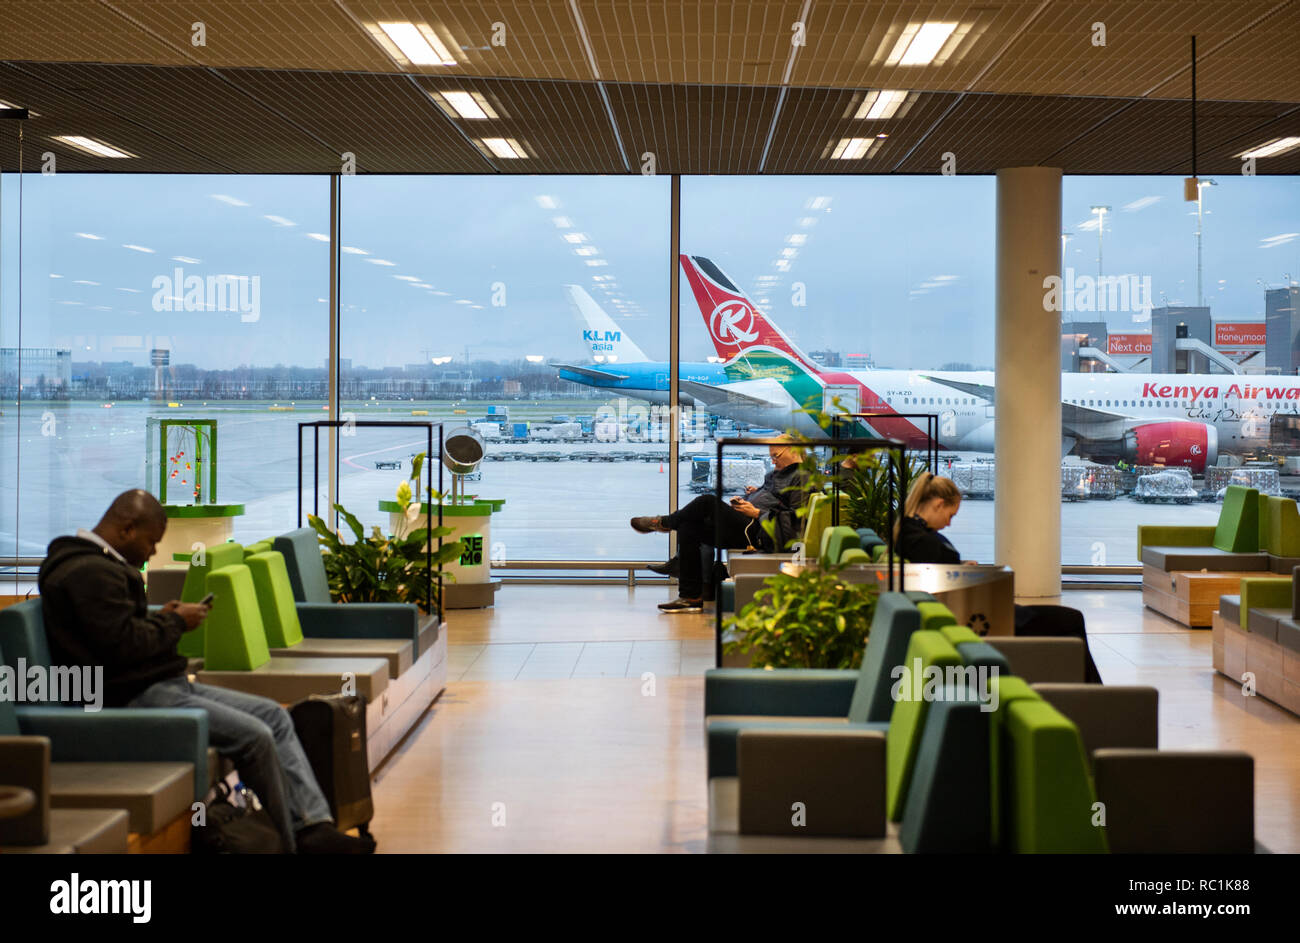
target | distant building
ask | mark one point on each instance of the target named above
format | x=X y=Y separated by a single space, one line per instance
x=1282 y=330
x=46 y=371
x=1173 y=323
x=826 y=358
x=1077 y=337
x=857 y=362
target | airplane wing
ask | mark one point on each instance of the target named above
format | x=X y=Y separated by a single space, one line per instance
x=1071 y=415
x=718 y=395
x=591 y=372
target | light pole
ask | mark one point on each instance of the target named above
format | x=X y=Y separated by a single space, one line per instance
x=1200 y=188
x=1101 y=212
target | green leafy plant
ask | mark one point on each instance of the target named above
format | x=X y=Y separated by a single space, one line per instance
x=865 y=485
x=861 y=477
x=380 y=568
x=808 y=619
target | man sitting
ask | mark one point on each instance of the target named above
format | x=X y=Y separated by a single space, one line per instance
x=93 y=600
x=739 y=525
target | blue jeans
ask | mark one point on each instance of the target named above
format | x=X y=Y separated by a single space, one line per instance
x=258 y=736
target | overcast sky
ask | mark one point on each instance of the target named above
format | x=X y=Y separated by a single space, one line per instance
x=900 y=268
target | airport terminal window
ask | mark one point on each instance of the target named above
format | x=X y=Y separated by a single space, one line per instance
x=171 y=297
x=1198 y=347
x=869 y=279
x=534 y=309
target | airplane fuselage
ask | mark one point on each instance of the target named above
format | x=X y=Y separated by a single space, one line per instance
x=1098 y=407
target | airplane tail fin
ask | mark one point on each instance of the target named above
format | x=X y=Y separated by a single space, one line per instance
x=735 y=324
x=603 y=338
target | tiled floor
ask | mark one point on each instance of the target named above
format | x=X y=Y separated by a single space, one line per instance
x=535 y=661
x=573 y=721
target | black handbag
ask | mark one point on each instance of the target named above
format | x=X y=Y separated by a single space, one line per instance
x=235 y=829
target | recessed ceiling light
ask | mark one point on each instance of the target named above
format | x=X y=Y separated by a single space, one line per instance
x=471 y=105
x=30 y=113
x=412 y=43
x=506 y=148
x=881 y=104
x=91 y=146
x=850 y=148
x=1273 y=148
x=920 y=43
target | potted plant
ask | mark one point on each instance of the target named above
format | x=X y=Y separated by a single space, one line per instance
x=381 y=568
x=810 y=618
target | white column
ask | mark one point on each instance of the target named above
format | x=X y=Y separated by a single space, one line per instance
x=1027 y=443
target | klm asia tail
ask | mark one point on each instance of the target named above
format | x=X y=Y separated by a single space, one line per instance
x=605 y=341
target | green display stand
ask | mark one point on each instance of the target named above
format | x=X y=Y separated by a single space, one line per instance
x=181 y=472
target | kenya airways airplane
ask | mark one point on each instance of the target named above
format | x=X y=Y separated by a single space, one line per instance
x=765 y=379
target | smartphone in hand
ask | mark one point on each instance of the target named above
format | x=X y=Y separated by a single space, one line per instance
x=207 y=600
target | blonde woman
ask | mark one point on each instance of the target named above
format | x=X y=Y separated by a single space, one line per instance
x=931 y=505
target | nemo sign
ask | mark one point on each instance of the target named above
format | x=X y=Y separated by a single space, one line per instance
x=1246 y=334
x=1128 y=344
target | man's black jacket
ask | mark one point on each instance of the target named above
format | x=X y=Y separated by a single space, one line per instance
x=95 y=614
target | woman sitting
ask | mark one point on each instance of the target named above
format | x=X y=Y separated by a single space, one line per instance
x=931 y=505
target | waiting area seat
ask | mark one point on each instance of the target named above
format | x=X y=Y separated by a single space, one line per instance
x=975 y=759
x=321 y=617
x=837 y=546
x=816 y=521
x=1186 y=569
x=236 y=655
x=148 y=765
x=283 y=627
x=1255 y=637
x=261 y=643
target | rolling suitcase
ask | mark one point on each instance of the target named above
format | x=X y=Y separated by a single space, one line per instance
x=332 y=731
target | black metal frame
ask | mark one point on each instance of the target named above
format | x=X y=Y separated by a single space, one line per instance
x=931 y=431
x=892 y=446
x=317 y=425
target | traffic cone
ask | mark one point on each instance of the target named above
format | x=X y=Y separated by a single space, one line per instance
x=661 y=468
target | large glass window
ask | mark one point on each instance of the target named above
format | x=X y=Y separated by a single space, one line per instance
x=1179 y=346
x=158 y=298
x=533 y=309
x=855 y=294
